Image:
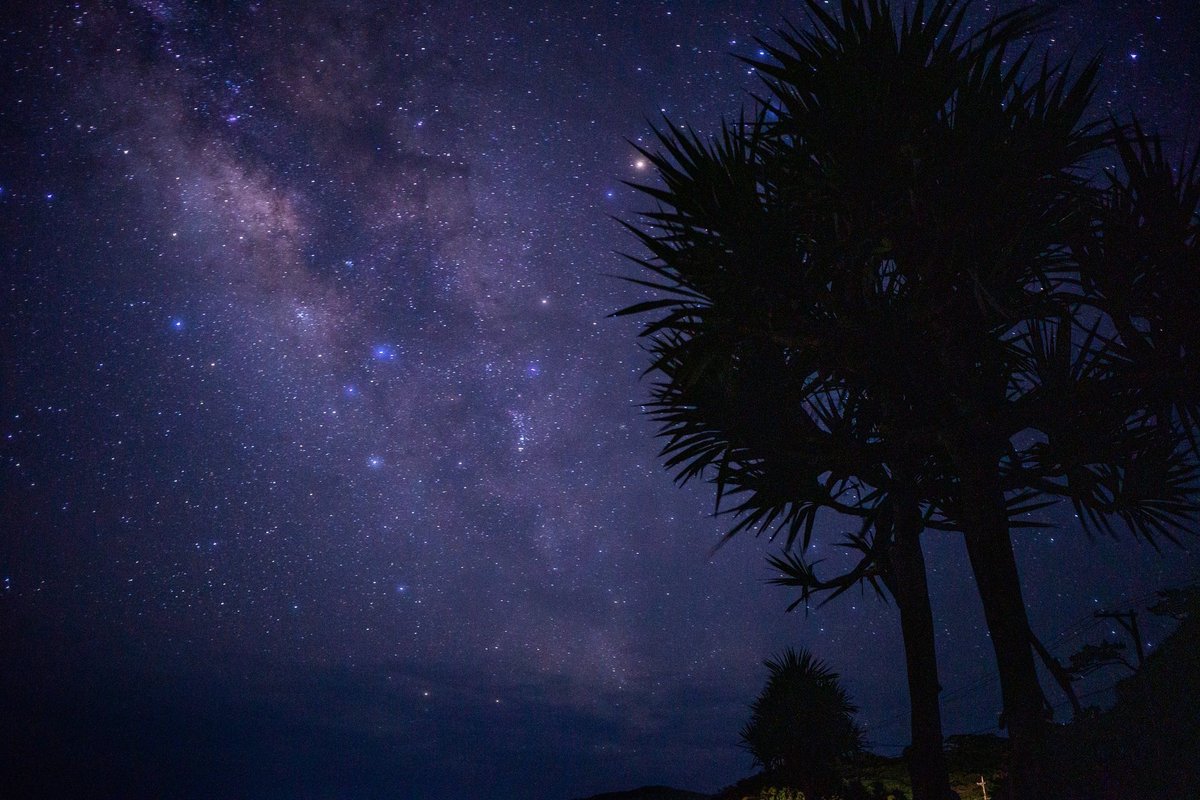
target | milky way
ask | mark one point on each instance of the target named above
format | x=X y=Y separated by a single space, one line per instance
x=323 y=468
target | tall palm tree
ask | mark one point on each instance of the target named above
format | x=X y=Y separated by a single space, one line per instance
x=1099 y=402
x=790 y=334
x=1139 y=264
x=952 y=178
x=892 y=562
x=781 y=443
x=871 y=297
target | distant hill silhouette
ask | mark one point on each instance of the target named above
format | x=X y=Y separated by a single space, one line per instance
x=650 y=793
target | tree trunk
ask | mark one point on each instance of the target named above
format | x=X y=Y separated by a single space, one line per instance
x=989 y=547
x=926 y=757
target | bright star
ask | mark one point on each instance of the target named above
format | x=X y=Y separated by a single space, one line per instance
x=384 y=352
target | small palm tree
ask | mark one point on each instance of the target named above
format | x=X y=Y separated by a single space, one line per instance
x=802 y=724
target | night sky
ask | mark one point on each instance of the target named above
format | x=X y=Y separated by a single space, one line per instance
x=323 y=472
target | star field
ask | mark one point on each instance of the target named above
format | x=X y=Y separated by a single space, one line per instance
x=321 y=461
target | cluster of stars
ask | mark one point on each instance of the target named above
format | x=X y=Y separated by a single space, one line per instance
x=312 y=380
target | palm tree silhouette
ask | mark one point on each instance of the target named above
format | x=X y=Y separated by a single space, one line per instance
x=876 y=302
x=802 y=723
x=791 y=350
x=733 y=399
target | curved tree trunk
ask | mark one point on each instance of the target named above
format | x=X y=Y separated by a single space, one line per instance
x=989 y=547
x=926 y=757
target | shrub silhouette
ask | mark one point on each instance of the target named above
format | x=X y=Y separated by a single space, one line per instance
x=801 y=725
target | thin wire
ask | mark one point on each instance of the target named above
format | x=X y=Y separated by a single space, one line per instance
x=1083 y=623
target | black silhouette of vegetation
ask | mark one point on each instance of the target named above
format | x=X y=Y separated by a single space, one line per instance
x=801 y=726
x=895 y=292
x=1145 y=745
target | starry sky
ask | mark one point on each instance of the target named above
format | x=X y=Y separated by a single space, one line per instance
x=322 y=472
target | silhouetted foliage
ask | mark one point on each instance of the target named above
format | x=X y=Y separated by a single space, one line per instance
x=1179 y=604
x=793 y=347
x=802 y=724
x=1145 y=746
x=896 y=276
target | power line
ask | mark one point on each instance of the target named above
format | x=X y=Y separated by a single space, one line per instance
x=1074 y=628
